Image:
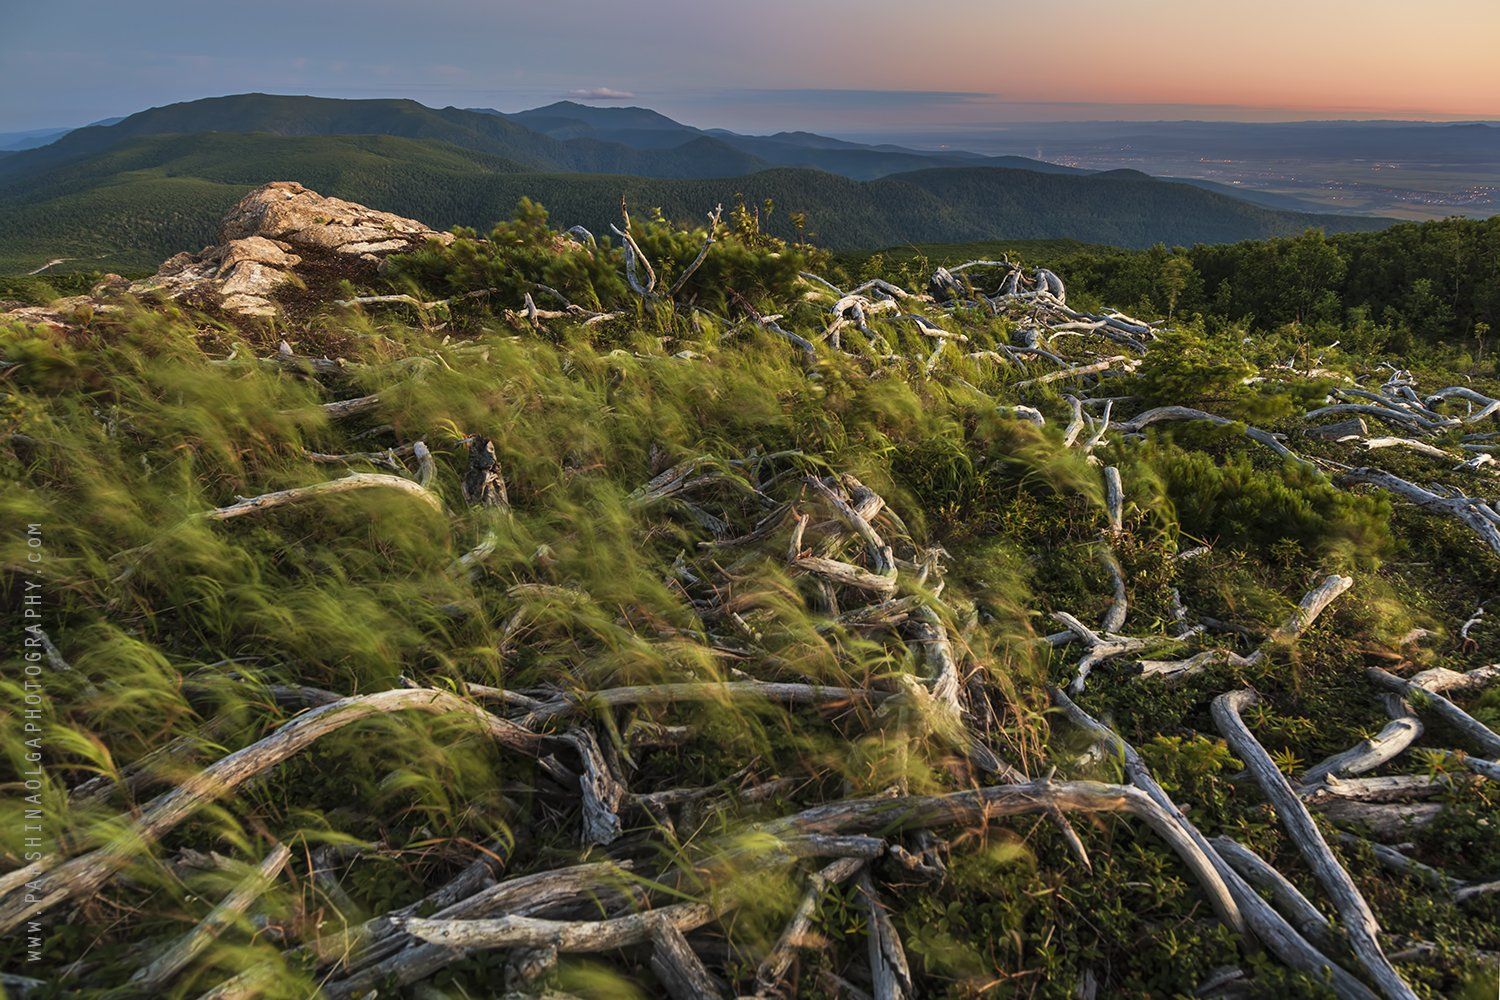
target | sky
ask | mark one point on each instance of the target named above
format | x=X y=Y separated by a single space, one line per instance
x=830 y=65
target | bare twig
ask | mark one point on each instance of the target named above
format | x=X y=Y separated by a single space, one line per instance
x=171 y=962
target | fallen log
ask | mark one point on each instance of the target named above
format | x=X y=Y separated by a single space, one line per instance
x=1358 y=919
x=411 y=300
x=1384 y=789
x=1420 y=447
x=1412 y=421
x=1394 y=860
x=1402 y=731
x=1475 y=513
x=677 y=966
x=847 y=574
x=344 y=408
x=399 y=958
x=985 y=805
x=1164 y=414
x=1294 y=905
x=1258 y=917
x=1440 y=680
x=1078 y=370
x=720 y=691
x=1487 y=404
x=571 y=936
x=1387 y=821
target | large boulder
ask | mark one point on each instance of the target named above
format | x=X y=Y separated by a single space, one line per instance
x=273 y=238
x=281 y=237
x=287 y=211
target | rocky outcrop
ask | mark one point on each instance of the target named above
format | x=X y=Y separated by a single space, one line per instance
x=281 y=236
x=270 y=233
x=241 y=274
x=285 y=210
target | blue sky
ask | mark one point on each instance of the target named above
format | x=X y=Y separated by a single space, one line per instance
x=823 y=64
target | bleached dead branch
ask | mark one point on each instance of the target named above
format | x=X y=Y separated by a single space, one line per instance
x=1401 y=732
x=163 y=968
x=83 y=874
x=353 y=481
x=1427 y=699
x=1163 y=414
x=1355 y=913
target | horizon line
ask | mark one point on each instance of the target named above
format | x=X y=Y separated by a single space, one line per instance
x=1338 y=115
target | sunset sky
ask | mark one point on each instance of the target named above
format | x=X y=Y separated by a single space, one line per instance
x=770 y=64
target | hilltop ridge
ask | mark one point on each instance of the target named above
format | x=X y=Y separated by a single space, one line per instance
x=156 y=182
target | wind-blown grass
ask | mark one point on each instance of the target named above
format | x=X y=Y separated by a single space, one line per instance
x=179 y=628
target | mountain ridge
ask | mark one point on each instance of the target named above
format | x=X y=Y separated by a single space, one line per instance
x=607 y=140
x=151 y=185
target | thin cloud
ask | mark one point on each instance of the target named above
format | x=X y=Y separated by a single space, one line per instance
x=849 y=97
x=600 y=94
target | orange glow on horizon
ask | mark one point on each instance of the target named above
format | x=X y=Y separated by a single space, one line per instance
x=1375 y=56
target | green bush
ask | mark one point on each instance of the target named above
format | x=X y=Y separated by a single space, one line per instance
x=1236 y=499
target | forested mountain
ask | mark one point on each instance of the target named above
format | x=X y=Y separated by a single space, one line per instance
x=312 y=116
x=564 y=137
x=129 y=203
x=642 y=128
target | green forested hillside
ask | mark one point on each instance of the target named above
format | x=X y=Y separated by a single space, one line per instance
x=563 y=137
x=319 y=116
x=1429 y=280
x=120 y=208
x=643 y=128
x=135 y=205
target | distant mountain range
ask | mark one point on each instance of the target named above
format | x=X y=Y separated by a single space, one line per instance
x=153 y=183
x=32 y=138
x=1410 y=169
x=563 y=137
